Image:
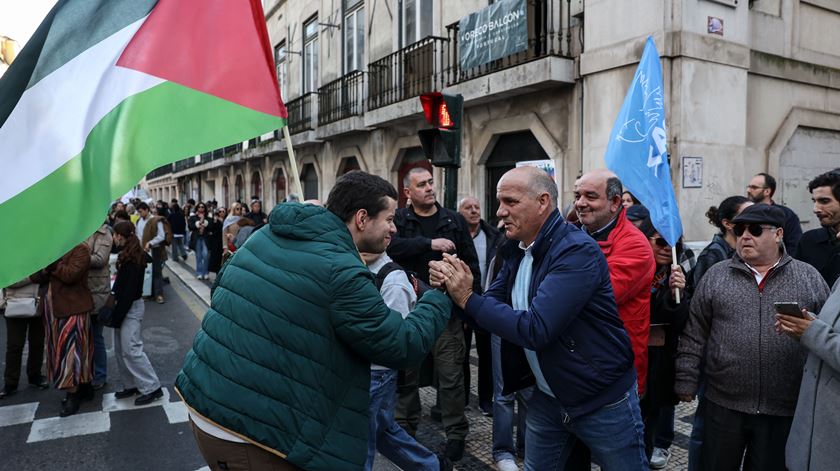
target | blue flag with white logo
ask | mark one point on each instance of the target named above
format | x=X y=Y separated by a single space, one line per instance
x=638 y=147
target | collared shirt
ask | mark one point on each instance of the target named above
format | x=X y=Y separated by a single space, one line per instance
x=758 y=276
x=604 y=232
x=480 y=242
x=520 y=302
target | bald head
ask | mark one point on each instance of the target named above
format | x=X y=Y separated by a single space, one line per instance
x=527 y=196
x=597 y=198
x=535 y=180
x=471 y=210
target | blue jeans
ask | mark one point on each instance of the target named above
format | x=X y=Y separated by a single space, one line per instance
x=100 y=356
x=503 y=410
x=614 y=434
x=392 y=441
x=695 y=443
x=201 y=258
x=178 y=249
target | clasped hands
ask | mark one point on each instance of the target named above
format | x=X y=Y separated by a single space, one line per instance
x=453 y=274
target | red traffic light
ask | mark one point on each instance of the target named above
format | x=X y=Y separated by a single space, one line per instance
x=436 y=111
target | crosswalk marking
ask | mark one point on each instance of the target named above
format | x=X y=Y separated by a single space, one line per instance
x=176 y=412
x=112 y=404
x=18 y=414
x=63 y=427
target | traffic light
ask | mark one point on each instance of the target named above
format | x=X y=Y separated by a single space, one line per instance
x=442 y=143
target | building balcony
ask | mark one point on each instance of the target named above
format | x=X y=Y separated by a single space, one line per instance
x=302 y=113
x=548 y=36
x=407 y=73
x=341 y=98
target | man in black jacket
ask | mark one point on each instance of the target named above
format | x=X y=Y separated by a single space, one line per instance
x=820 y=247
x=178 y=223
x=486 y=240
x=424 y=232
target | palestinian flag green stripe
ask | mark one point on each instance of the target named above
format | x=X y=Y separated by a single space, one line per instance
x=153 y=124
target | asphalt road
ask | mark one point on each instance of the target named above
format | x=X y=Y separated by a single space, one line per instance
x=108 y=434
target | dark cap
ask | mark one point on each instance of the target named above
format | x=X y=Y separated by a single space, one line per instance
x=761 y=214
x=637 y=212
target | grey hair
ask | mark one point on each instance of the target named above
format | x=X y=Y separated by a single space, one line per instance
x=464 y=199
x=413 y=171
x=541 y=182
x=614 y=188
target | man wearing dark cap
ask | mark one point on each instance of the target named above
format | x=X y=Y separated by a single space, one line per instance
x=752 y=373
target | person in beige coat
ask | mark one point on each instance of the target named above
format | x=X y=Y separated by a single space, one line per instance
x=99 y=282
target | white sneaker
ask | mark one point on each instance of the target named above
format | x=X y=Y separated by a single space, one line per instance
x=659 y=458
x=507 y=465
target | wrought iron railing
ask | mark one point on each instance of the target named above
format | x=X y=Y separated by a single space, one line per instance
x=160 y=171
x=415 y=69
x=547 y=36
x=300 y=112
x=341 y=98
x=184 y=164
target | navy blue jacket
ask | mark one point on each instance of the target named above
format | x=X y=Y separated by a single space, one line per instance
x=572 y=321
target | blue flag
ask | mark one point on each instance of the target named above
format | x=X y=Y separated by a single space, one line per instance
x=638 y=147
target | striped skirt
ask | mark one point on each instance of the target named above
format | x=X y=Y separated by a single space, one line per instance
x=69 y=348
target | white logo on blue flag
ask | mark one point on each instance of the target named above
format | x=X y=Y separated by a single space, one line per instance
x=638 y=148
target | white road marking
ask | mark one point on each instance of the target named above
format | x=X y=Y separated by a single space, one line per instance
x=112 y=404
x=63 y=427
x=176 y=412
x=18 y=414
x=206 y=468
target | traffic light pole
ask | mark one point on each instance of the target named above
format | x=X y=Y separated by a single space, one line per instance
x=450 y=192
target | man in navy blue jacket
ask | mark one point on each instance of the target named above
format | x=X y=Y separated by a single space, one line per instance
x=553 y=306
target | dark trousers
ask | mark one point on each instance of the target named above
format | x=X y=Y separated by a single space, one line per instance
x=16 y=334
x=158 y=257
x=485 y=366
x=448 y=355
x=730 y=436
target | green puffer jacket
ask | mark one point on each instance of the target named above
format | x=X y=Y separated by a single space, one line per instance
x=283 y=355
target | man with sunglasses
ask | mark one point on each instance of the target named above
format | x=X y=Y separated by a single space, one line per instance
x=761 y=189
x=752 y=373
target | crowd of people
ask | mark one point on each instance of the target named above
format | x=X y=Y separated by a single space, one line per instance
x=588 y=331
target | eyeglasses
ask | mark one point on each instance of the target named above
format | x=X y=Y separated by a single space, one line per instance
x=755 y=229
x=660 y=242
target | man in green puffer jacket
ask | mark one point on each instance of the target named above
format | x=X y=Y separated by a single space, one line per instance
x=279 y=372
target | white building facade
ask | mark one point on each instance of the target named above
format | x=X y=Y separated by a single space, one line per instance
x=750 y=86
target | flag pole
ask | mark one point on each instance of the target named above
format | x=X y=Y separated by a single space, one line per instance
x=295 y=174
x=674 y=257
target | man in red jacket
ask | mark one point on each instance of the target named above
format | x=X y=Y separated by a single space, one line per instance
x=629 y=257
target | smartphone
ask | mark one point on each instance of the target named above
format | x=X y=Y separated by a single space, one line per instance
x=788 y=308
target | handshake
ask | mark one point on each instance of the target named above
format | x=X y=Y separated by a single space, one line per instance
x=454 y=275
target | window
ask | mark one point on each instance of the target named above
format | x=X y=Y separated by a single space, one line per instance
x=239 y=189
x=416 y=20
x=310 y=55
x=309 y=179
x=354 y=35
x=279 y=186
x=280 y=64
x=225 y=192
x=256 y=186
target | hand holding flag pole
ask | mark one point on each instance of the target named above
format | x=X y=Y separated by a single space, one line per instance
x=638 y=149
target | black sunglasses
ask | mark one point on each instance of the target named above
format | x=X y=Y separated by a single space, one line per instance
x=755 y=229
x=660 y=242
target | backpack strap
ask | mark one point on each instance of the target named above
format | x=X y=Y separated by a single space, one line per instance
x=384 y=272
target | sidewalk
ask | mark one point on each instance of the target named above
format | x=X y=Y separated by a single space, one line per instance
x=185 y=271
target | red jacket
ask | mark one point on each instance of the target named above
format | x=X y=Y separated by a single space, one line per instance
x=631 y=263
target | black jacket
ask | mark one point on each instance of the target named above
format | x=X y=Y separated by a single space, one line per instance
x=177 y=222
x=793 y=230
x=494 y=241
x=413 y=251
x=128 y=287
x=820 y=248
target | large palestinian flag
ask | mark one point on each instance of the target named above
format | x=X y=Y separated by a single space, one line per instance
x=107 y=90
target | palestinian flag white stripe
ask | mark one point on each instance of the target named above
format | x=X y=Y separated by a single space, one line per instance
x=77 y=95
